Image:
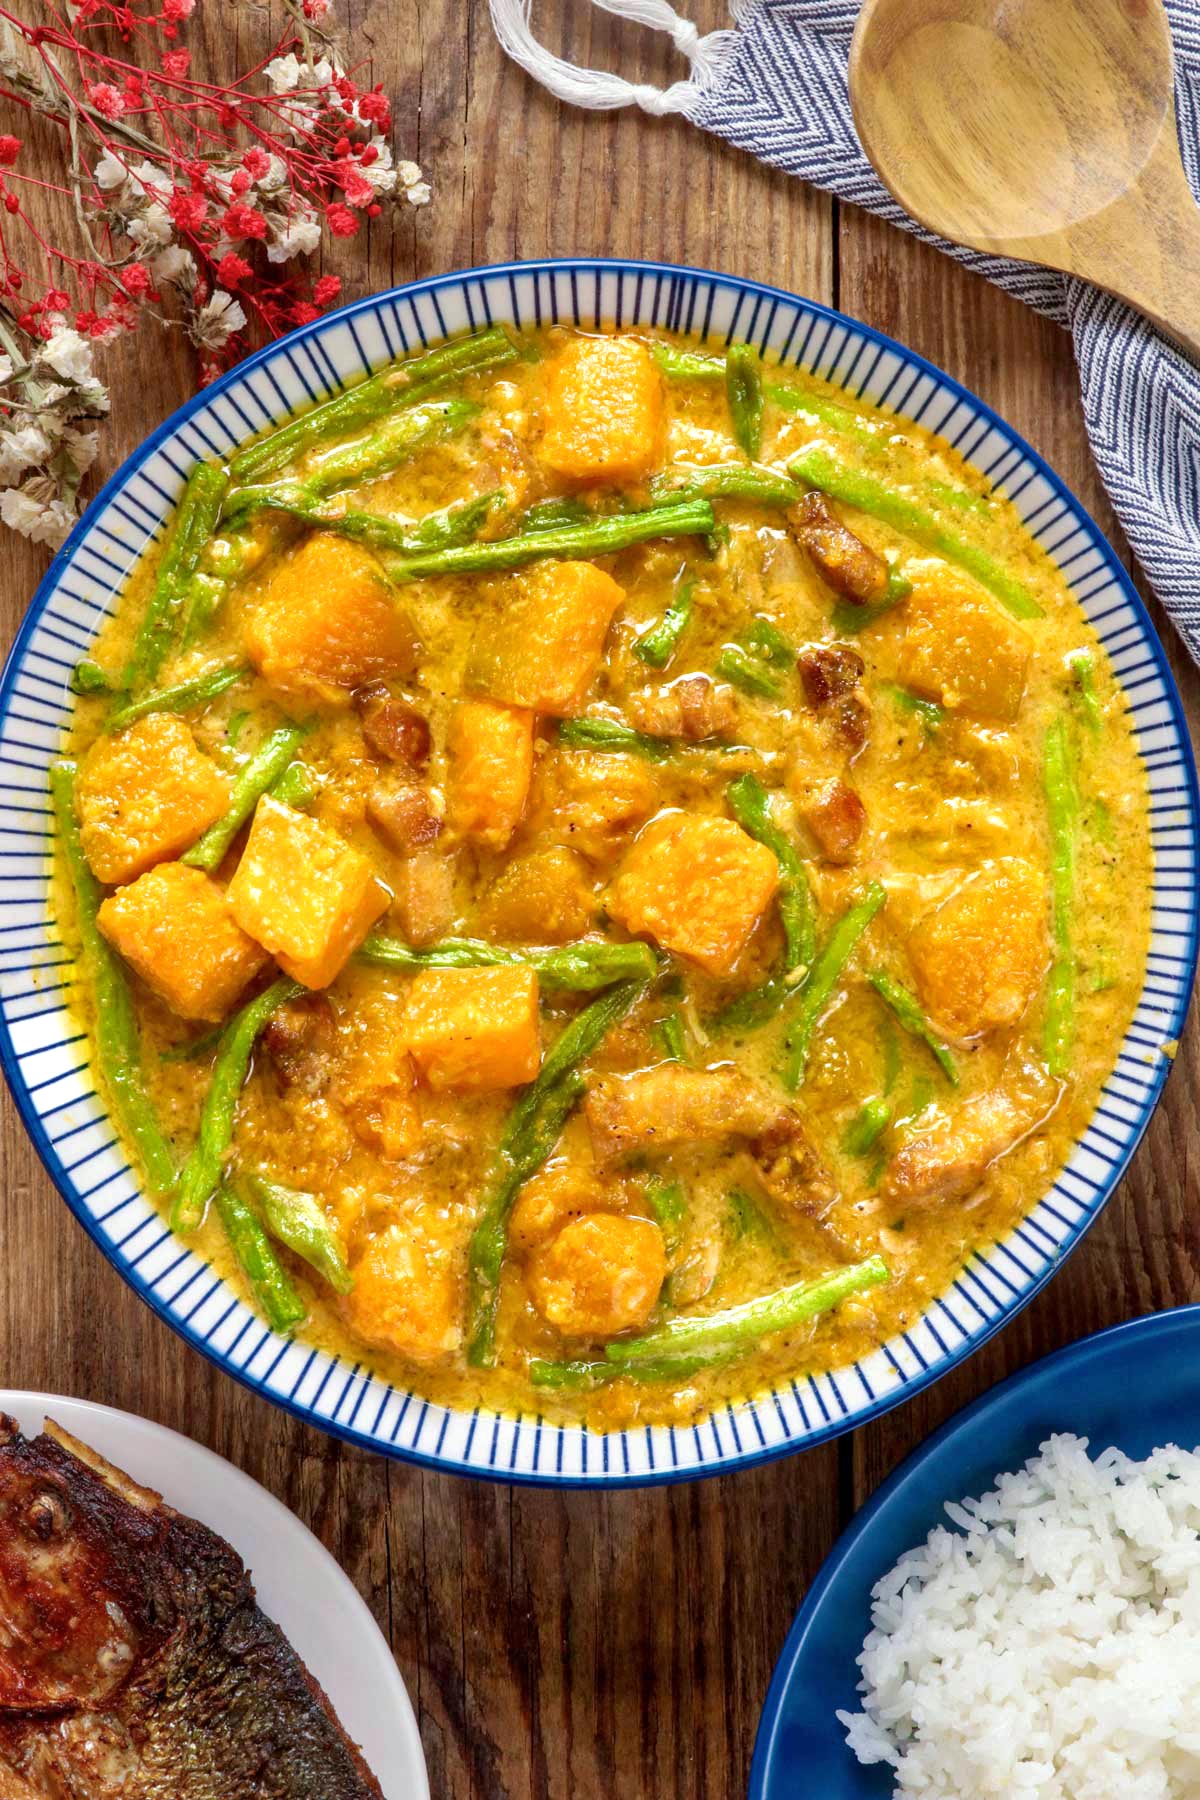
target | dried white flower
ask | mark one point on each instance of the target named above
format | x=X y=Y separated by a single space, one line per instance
x=69 y=354
x=217 y=320
x=299 y=235
x=275 y=177
x=110 y=171
x=147 y=178
x=26 y=447
x=174 y=264
x=149 y=227
x=382 y=174
x=283 y=73
x=36 y=514
x=83 y=447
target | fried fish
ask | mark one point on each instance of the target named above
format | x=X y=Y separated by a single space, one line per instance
x=135 y=1663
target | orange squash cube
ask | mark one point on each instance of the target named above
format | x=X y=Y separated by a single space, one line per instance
x=697 y=885
x=597 y=800
x=145 y=795
x=544 y=649
x=407 y=1294
x=961 y=649
x=377 y=1080
x=600 y=1275
x=491 y=765
x=474 y=1029
x=539 y=899
x=328 y=622
x=603 y=411
x=555 y=1197
x=304 y=894
x=173 y=925
x=980 y=956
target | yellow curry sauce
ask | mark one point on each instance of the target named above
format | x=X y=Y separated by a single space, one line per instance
x=878 y=697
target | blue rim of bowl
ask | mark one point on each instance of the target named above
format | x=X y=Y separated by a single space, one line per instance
x=910 y=1385
x=1064 y=1360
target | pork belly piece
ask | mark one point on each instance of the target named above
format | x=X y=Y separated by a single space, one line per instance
x=135 y=1664
x=300 y=1038
x=404 y=814
x=950 y=1159
x=851 y=567
x=393 y=728
x=835 y=815
x=694 y=708
x=671 y=1104
x=831 y=675
x=789 y=1168
x=829 y=672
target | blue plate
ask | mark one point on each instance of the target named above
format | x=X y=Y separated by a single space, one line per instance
x=43 y=1051
x=1134 y=1386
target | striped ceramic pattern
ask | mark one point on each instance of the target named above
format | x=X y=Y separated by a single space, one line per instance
x=45 y=1055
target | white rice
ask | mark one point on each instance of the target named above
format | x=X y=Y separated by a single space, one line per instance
x=1050 y=1648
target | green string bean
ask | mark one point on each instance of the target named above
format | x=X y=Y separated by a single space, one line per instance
x=202 y=1171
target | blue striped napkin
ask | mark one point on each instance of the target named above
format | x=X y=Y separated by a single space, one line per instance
x=780 y=92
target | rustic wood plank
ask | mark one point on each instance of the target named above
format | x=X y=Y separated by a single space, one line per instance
x=596 y=1647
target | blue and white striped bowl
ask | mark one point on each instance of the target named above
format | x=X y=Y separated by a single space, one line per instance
x=44 y=1053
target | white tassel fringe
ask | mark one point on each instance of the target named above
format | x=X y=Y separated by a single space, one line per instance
x=593 y=87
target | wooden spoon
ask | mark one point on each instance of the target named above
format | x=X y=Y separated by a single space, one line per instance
x=1040 y=129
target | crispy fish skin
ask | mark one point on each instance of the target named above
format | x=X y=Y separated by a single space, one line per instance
x=134 y=1661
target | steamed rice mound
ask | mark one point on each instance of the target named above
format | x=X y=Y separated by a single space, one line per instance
x=1050 y=1648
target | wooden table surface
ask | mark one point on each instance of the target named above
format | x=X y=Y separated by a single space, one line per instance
x=588 y=1646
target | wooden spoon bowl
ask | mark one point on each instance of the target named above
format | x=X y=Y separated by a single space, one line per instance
x=1039 y=129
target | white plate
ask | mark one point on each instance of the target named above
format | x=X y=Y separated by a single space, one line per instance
x=297 y=1582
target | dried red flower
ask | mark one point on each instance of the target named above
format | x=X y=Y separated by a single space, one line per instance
x=188 y=211
x=239 y=181
x=342 y=221
x=303 y=313
x=233 y=269
x=175 y=11
x=375 y=109
x=354 y=184
x=176 y=64
x=10 y=148
x=106 y=99
x=326 y=289
x=256 y=162
x=135 y=279
x=241 y=221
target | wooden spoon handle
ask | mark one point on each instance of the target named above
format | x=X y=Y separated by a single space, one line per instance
x=1144 y=247
x=1148 y=248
